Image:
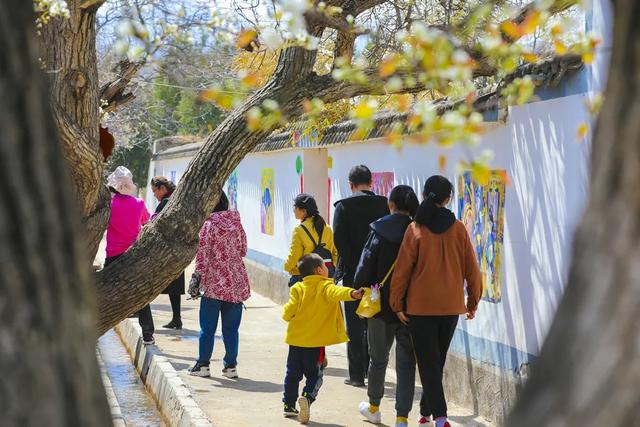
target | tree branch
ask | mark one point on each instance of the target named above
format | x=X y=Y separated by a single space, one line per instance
x=83 y=156
x=112 y=93
x=364 y=5
x=554 y=8
x=326 y=88
x=172 y=236
x=330 y=90
x=345 y=44
x=318 y=18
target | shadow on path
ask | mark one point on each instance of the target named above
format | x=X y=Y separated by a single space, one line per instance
x=246 y=384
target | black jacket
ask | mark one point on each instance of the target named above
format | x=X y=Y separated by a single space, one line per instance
x=177 y=286
x=161 y=205
x=351 y=221
x=378 y=255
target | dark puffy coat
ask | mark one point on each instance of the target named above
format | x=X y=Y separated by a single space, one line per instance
x=378 y=255
x=177 y=286
x=351 y=221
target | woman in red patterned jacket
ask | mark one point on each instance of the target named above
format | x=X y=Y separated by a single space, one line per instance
x=224 y=285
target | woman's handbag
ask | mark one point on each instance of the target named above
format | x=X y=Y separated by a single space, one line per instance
x=370 y=303
x=194 y=286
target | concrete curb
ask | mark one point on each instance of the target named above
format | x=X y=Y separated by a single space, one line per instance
x=173 y=396
x=116 y=412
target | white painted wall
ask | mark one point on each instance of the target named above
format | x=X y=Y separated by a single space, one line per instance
x=548 y=169
x=287 y=186
x=316 y=176
x=599 y=21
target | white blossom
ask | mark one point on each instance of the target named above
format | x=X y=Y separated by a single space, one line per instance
x=271 y=38
x=460 y=57
x=453 y=119
x=394 y=84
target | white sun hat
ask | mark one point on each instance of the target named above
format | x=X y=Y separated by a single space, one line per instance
x=121 y=180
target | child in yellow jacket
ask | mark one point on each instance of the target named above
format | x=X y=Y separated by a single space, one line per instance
x=315 y=321
x=308 y=235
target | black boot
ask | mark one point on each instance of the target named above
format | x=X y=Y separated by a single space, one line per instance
x=174 y=324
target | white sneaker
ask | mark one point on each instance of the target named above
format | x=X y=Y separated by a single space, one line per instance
x=305 y=410
x=199 y=370
x=230 y=372
x=373 y=417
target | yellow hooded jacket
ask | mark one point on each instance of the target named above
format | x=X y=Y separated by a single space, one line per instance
x=314 y=313
x=302 y=245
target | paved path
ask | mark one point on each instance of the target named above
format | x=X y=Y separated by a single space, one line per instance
x=255 y=398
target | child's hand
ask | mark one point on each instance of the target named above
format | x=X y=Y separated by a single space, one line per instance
x=357 y=293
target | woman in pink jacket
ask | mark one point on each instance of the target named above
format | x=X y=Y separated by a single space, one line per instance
x=224 y=286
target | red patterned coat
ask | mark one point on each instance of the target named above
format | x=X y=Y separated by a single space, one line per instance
x=223 y=244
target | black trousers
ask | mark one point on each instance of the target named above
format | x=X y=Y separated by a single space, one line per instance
x=303 y=362
x=357 y=349
x=175 y=306
x=431 y=336
x=145 y=318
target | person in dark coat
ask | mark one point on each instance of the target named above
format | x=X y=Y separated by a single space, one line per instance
x=162 y=189
x=376 y=264
x=351 y=221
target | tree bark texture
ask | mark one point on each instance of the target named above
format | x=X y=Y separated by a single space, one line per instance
x=589 y=368
x=47 y=311
x=167 y=245
x=68 y=56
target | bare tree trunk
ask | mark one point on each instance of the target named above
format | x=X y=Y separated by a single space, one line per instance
x=589 y=368
x=69 y=59
x=47 y=324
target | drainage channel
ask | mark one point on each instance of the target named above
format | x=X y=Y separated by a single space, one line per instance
x=136 y=404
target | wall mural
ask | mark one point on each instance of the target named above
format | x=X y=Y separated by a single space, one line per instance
x=299 y=172
x=481 y=210
x=382 y=183
x=267 y=202
x=232 y=190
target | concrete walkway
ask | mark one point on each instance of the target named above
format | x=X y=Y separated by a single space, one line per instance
x=255 y=398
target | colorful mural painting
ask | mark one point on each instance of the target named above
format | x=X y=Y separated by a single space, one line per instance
x=299 y=172
x=267 y=208
x=232 y=190
x=481 y=210
x=382 y=183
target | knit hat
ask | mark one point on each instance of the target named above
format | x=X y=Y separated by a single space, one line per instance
x=121 y=180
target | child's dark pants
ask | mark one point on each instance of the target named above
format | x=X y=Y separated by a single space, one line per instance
x=307 y=362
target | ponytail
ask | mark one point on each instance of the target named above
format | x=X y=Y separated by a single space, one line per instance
x=308 y=203
x=437 y=190
x=405 y=199
x=161 y=181
x=318 y=224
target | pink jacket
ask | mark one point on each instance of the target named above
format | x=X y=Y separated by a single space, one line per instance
x=223 y=244
x=128 y=214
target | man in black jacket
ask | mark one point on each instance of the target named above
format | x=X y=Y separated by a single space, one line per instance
x=351 y=221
